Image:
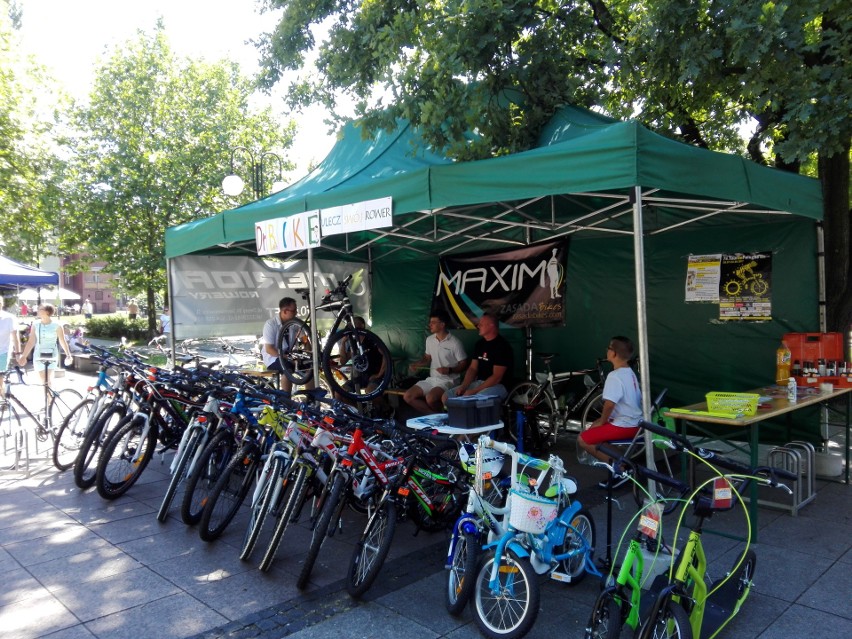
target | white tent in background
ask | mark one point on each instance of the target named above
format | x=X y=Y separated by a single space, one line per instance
x=47 y=294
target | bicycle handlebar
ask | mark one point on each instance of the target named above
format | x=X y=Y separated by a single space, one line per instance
x=641 y=470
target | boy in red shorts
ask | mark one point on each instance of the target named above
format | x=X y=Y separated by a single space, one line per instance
x=622 y=409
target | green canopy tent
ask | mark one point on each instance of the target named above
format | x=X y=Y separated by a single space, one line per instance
x=614 y=183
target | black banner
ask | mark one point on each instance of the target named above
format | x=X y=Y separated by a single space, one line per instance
x=522 y=287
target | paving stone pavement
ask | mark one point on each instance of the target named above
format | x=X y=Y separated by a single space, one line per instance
x=76 y=566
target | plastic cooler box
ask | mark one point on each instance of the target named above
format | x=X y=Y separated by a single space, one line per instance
x=472 y=411
x=811 y=347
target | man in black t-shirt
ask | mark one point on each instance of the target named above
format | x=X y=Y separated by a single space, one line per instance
x=490 y=369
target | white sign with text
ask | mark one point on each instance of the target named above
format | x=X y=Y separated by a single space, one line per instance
x=284 y=234
x=361 y=216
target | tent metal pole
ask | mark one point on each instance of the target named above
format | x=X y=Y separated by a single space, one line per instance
x=313 y=313
x=528 y=351
x=820 y=238
x=169 y=293
x=642 y=322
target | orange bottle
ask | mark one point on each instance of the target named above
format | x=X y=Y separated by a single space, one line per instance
x=783 y=356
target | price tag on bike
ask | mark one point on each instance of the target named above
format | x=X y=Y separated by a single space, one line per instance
x=722 y=493
x=649 y=520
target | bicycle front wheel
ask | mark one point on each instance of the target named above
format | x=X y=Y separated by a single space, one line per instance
x=228 y=494
x=109 y=420
x=125 y=456
x=209 y=466
x=509 y=610
x=71 y=433
x=350 y=358
x=323 y=523
x=671 y=622
x=462 y=573
x=605 y=621
x=267 y=501
x=297 y=492
x=295 y=351
x=372 y=549
x=186 y=455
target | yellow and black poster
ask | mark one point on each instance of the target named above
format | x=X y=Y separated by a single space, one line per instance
x=745 y=287
x=521 y=287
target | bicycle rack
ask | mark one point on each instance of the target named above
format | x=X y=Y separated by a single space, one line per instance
x=796 y=457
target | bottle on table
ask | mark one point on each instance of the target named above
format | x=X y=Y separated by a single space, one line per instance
x=791 y=390
x=783 y=356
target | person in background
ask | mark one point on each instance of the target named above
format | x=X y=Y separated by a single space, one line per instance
x=76 y=342
x=87 y=309
x=132 y=309
x=46 y=336
x=166 y=326
x=9 y=342
x=446 y=357
x=287 y=310
x=490 y=368
x=24 y=309
x=622 y=407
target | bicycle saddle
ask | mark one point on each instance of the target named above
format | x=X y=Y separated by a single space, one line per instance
x=546 y=357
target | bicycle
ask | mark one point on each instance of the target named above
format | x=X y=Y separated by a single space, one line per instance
x=686 y=602
x=554 y=403
x=57 y=407
x=619 y=602
x=346 y=358
x=545 y=533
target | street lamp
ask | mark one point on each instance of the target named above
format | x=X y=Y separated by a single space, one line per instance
x=233 y=184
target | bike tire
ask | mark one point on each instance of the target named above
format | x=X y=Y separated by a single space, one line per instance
x=605 y=621
x=298 y=490
x=354 y=388
x=461 y=577
x=209 y=466
x=112 y=417
x=746 y=575
x=228 y=494
x=512 y=612
x=117 y=471
x=295 y=351
x=186 y=454
x=69 y=438
x=591 y=411
x=321 y=528
x=540 y=403
x=583 y=525
x=447 y=498
x=371 y=550
x=260 y=511
x=670 y=622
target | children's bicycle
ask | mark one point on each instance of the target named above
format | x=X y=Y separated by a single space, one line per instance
x=545 y=533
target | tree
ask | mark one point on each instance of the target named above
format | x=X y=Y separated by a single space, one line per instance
x=27 y=164
x=149 y=151
x=698 y=70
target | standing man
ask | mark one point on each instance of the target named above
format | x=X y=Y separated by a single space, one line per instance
x=132 y=309
x=8 y=338
x=491 y=367
x=446 y=357
x=286 y=311
x=87 y=309
x=622 y=407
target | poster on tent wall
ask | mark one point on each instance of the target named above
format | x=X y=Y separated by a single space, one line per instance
x=745 y=287
x=703 y=273
x=522 y=287
x=223 y=295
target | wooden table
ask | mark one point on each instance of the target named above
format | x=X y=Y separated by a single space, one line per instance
x=777 y=407
x=438 y=422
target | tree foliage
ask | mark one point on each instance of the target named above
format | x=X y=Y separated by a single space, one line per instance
x=28 y=166
x=697 y=70
x=149 y=151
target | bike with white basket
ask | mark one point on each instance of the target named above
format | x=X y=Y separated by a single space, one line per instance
x=544 y=532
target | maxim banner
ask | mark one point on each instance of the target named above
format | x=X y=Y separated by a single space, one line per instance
x=522 y=287
x=220 y=296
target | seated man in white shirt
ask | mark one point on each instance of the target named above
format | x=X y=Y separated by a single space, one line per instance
x=446 y=357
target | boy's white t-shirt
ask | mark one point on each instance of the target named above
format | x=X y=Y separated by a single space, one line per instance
x=622 y=388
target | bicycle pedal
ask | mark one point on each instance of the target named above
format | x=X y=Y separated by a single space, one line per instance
x=560 y=576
